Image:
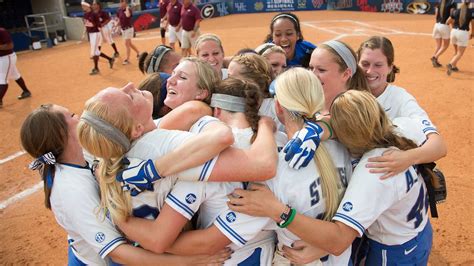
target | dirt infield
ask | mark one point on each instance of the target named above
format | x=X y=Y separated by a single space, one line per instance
x=28 y=230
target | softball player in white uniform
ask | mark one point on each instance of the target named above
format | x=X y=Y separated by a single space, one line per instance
x=392 y=231
x=149 y=203
x=210 y=199
x=75 y=188
x=301 y=189
x=397 y=102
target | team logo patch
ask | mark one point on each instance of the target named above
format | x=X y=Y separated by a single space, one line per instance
x=258 y=6
x=190 y=198
x=230 y=217
x=100 y=237
x=207 y=11
x=347 y=206
x=426 y=122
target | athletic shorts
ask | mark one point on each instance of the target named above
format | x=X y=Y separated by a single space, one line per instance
x=187 y=41
x=413 y=252
x=106 y=34
x=460 y=37
x=8 y=68
x=94 y=39
x=441 y=31
x=173 y=35
x=127 y=34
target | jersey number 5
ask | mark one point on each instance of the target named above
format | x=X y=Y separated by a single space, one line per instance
x=313 y=191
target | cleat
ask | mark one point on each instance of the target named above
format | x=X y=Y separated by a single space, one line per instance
x=94 y=71
x=116 y=54
x=111 y=62
x=450 y=69
x=435 y=62
x=24 y=95
x=125 y=62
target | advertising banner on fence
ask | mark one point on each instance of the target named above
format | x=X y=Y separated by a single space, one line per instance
x=247 y=6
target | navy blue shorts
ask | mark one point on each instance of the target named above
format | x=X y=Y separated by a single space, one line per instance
x=413 y=252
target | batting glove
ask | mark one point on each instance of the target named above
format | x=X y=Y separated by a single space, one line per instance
x=137 y=176
x=300 y=150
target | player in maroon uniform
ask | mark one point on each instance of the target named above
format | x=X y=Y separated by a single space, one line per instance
x=190 y=19
x=124 y=14
x=105 y=26
x=173 y=16
x=163 y=21
x=8 y=68
x=92 y=24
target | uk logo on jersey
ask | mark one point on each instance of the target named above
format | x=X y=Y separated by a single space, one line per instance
x=99 y=237
x=347 y=206
x=231 y=217
x=426 y=122
x=190 y=198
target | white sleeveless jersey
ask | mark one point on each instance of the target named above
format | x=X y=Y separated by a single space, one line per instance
x=211 y=198
x=299 y=188
x=392 y=211
x=397 y=102
x=153 y=145
x=75 y=201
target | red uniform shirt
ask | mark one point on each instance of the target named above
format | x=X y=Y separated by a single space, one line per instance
x=189 y=16
x=174 y=13
x=164 y=8
x=5 y=38
x=91 y=21
x=125 y=22
x=104 y=17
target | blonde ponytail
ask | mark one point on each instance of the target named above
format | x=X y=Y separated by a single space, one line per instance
x=113 y=199
x=301 y=93
x=330 y=182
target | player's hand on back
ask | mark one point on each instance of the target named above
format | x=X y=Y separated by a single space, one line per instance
x=217 y=259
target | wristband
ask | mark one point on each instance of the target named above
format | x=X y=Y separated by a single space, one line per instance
x=327 y=125
x=287 y=217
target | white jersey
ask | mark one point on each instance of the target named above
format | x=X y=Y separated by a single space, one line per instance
x=268 y=109
x=397 y=102
x=299 y=188
x=153 y=145
x=390 y=211
x=211 y=198
x=410 y=128
x=75 y=201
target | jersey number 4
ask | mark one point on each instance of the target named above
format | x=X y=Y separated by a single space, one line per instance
x=420 y=207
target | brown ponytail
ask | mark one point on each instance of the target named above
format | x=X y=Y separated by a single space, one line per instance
x=253 y=98
x=44 y=131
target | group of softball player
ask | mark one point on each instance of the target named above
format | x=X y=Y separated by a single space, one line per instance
x=292 y=153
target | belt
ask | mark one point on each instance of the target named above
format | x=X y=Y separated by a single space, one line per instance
x=461 y=29
x=126 y=28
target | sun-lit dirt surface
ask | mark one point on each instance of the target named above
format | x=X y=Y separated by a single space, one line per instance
x=59 y=75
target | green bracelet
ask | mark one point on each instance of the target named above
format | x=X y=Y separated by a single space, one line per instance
x=328 y=126
x=290 y=219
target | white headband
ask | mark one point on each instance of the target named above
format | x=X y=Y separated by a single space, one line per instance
x=344 y=53
x=84 y=3
x=228 y=102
